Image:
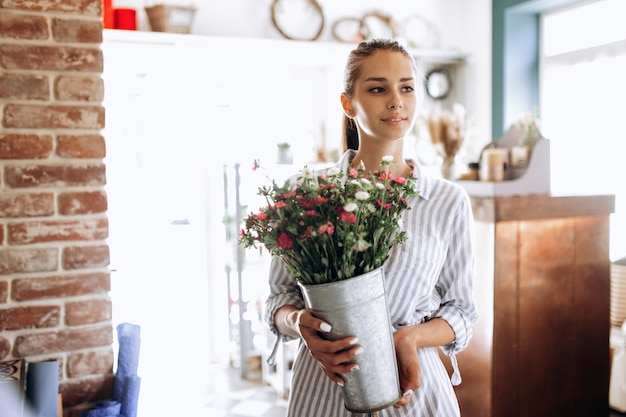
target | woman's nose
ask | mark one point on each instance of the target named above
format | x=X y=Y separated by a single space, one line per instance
x=395 y=102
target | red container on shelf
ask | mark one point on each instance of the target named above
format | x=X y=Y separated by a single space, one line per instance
x=125 y=19
x=107 y=14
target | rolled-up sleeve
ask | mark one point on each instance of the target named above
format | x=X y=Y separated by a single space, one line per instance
x=456 y=283
x=283 y=291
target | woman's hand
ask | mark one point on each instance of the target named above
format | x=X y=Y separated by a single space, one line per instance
x=435 y=332
x=408 y=364
x=335 y=357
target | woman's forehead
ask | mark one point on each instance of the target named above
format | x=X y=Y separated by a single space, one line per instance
x=387 y=64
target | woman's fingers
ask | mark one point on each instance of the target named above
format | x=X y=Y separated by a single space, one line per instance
x=336 y=360
x=334 y=356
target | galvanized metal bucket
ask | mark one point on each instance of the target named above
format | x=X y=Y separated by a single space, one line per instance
x=358 y=307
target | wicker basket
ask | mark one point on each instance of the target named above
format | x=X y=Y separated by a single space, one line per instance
x=167 y=18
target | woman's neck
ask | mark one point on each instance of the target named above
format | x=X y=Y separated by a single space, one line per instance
x=371 y=153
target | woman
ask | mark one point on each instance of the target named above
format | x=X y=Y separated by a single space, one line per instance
x=429 y=278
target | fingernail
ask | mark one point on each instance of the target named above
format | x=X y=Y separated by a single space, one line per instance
x=355 y=368
x=340 y=384
x=354 y=341
x=325 y=327
x=358 y=351
x=408 y=393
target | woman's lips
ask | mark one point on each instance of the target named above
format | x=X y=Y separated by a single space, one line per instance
x=394 y=120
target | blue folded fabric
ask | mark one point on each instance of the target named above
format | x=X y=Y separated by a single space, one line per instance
x=126 y=382
x=128 y=358
x=131 y=396
x=105 y=409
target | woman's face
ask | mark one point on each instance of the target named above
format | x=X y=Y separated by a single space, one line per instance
x=384 y=102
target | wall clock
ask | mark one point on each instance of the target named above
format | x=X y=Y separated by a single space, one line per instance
x=438 y=83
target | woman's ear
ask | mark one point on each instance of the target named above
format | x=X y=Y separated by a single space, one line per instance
x=345 y=103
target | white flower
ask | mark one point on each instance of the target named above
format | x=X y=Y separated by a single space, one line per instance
x=362 y=195
x=388 y=158
x=333 y=171
x=307 y=172
x=350 y=207
x=380 y=185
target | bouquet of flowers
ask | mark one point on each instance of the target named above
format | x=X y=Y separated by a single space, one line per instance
x=331 y=225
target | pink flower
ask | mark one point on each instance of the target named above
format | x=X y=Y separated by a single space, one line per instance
x=328 y=228
x=307 y=203
x=386 y=206
x=348 y=217
x=284 y=241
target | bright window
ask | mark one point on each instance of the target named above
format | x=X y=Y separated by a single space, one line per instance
x=591 y=24
x=582 y=101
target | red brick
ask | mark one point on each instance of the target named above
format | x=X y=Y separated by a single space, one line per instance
x=23 y=233
x=5 y=347
x=13 y=261
x=90 y=363
x=54 y=176
x=87 y=202
x=81 y=146
x=25 y=146
x=26 y=205
x=26 y=289
x=86 y=390
x=4 y=291
x=77 y=30
x=79 y=88
x=81 y=257
x=51 y=58
x=82 y=7
x=23 y=26
x=32 y=317
x=27 y=116
x=24 y=86
x=62 y=341
x=78 y=313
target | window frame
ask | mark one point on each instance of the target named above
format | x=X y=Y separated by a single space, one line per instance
x=515 y=58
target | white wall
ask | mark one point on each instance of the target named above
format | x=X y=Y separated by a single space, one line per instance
x=463 y=25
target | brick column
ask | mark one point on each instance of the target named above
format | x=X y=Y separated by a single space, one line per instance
x=54 y=277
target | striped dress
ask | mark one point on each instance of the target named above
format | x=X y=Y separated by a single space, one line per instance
x=429 y=275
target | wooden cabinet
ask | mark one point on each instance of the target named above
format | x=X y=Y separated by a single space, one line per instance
x=541 y=345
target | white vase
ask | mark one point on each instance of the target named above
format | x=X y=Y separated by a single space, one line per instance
x=284 y=155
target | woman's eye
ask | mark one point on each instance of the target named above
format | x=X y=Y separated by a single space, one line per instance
x=377 y=90
x=408 y=89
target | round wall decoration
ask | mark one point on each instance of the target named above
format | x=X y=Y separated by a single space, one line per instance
x=298 y=19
